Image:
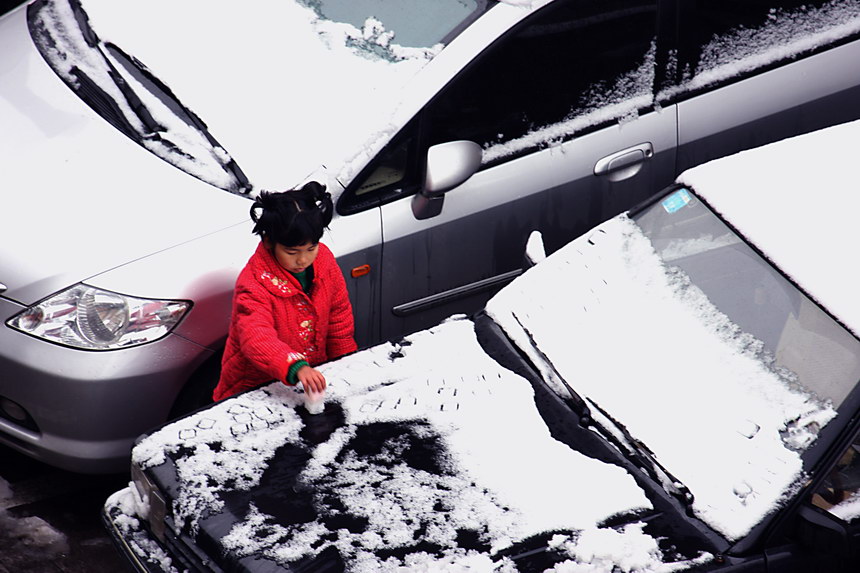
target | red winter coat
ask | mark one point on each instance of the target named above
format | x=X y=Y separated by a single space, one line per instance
x=275 y=323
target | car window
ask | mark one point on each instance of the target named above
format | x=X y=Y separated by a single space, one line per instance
x=438 y=22
x=726 y=39
x=573 y=65
x=839 y=493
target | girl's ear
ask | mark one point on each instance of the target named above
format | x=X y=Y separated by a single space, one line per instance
x=267 y=242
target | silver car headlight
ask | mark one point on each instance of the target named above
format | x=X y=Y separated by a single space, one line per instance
x=94 y=319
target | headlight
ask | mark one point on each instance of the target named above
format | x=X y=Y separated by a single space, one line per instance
x=95 y=319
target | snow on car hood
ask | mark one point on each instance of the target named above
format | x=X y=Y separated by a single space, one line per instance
x=641 y=344
x=503 y=476
x=79 y=197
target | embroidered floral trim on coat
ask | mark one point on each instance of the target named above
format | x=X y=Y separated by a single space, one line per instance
x=282 y=285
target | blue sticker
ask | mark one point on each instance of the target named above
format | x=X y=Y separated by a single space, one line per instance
x=676 y=200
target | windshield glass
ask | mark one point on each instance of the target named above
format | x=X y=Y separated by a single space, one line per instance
x=679 y=337
x=126 y=94
x=817 y=353
x=411 y=23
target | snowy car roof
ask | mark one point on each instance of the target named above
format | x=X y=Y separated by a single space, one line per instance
x=797 y=201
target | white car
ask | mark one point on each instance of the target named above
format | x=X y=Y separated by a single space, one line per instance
x=134 y=133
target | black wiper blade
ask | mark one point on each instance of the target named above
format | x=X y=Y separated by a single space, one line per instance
x=643 y=457
x=630 y=447
x=103 y=103
x=574 y=401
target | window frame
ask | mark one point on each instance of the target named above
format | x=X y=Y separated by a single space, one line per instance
x=417 y=128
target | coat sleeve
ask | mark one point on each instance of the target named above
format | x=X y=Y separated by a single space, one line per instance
x=341 y=327
x=256 y=334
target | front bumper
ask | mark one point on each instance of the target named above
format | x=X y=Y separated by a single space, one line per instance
x=82 y=410
x=145 y=552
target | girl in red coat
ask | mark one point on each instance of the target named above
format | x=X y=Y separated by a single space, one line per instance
x=290 y=306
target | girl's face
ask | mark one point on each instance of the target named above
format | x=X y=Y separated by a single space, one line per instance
x=296 y=259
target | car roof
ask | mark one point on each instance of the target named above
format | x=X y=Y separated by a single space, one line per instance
x=796 y=201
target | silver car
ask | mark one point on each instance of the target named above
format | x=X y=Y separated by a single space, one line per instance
x=134 y=133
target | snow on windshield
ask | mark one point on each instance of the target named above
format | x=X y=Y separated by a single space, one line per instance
x=174 y=140
x=642 y=343
x=500 y=472
x=786 y=34
x=282 y=89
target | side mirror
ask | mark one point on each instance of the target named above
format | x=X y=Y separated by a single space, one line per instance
x=448 y=166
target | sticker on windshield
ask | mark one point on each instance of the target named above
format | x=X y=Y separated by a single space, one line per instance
x=676 y=200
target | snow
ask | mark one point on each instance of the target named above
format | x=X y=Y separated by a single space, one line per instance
x=501 y=474
x=357 y=77
x=31 y=535
x=847 y=510
x=628 y=94
x=785 y=34
x=820 y=206
x=294 y=75
x=641 y=343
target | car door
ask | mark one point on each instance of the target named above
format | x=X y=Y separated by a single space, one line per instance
x=753 y=72
x=563 y=111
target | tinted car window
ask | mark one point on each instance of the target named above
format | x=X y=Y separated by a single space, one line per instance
x=579 y=64
x=724 y=39
x=839 y=493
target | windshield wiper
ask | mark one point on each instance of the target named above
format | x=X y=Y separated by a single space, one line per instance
x=574 y=400
x=613 y=431
x=127 y=95
x=641 y=455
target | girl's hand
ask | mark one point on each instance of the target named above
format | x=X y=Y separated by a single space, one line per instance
x=312 y=380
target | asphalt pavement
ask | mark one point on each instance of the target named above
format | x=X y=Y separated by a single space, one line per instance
x=50 y=519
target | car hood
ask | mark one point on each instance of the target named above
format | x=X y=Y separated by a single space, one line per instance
x=78 y=196
x=608 y=321
x=438 y=463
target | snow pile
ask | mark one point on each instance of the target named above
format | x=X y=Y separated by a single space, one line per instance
x=438 y=440
x=628 y=549
x=27 y=537
x=639 y=341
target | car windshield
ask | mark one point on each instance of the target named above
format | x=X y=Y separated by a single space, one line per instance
x=438 y=22
x=126 y=94
x=814 y=350
x=687 y=347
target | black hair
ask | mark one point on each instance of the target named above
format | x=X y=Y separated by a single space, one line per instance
x=295 y=217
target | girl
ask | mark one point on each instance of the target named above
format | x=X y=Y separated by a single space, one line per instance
x=290 y=305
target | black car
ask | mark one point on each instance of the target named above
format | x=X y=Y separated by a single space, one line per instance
x=675 y=390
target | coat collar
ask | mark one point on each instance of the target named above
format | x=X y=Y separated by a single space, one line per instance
x=273 y=276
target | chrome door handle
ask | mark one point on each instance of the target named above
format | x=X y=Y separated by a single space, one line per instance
x=624 y=163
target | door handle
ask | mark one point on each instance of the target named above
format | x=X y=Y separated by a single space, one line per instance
x=625 y=163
